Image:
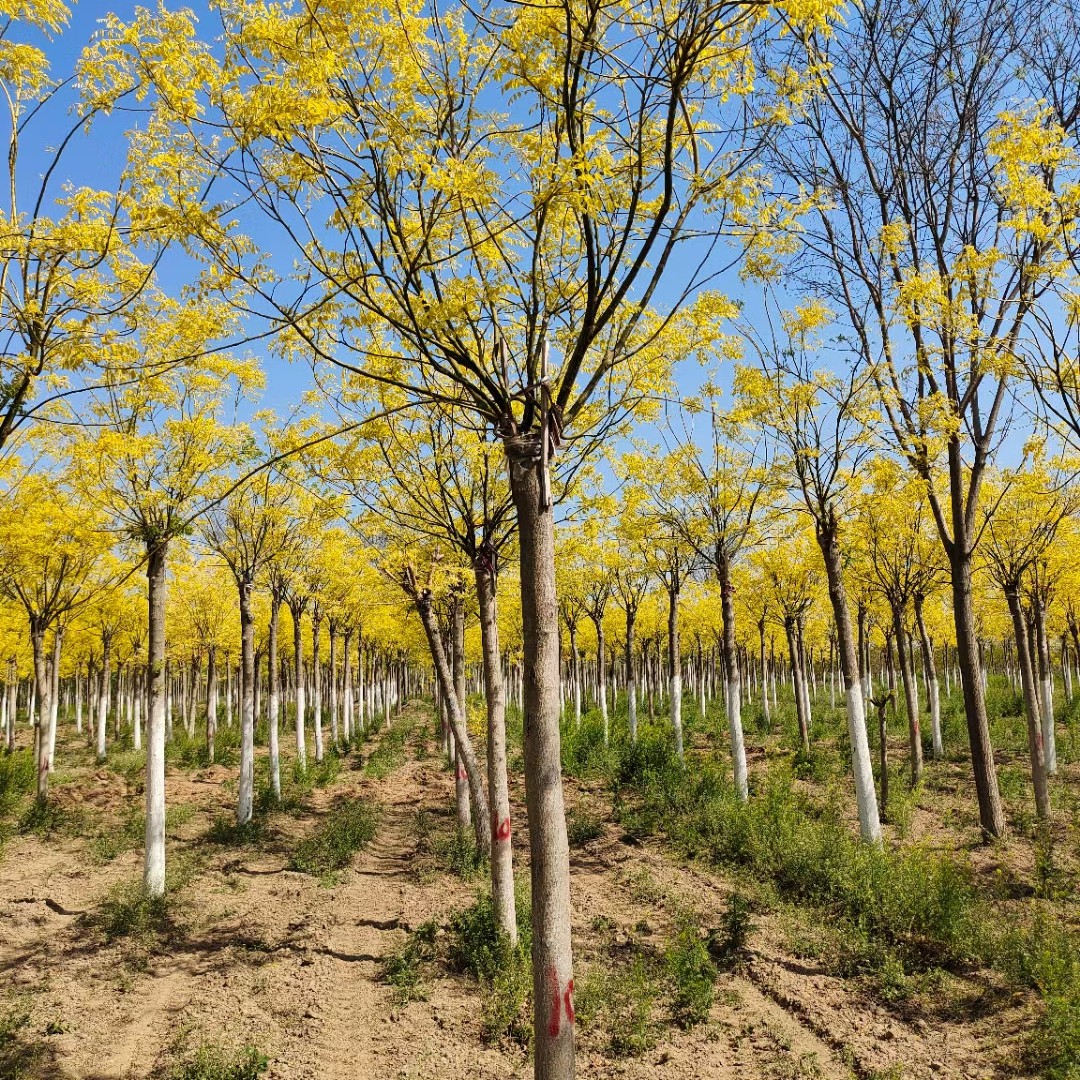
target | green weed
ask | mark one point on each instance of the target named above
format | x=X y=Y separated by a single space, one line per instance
x=18 y=777
x=582 y=828
x=404 y=969
x=330 y=848
x=209 y=1061
x=389 y=754
x=227 y=832
x=20 y=1056
x=50 y=818
x=477 y=948
x=617 y=1001
x=728 y=943
x=692 y=974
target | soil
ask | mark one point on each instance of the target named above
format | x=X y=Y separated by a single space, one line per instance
x=261 y=955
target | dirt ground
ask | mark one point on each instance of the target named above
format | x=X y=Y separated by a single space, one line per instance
x=268 y=957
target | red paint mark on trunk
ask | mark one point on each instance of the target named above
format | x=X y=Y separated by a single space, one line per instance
x=560 y=1002
x=462 y=775
x=555 y=1018
x=503 y=832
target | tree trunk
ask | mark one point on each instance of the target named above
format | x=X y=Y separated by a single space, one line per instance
x=575 y=658
x=347 y=687
x=246 y=796
x=601 y=675
x=991 y=815
x=764 y=675
x=41 y=684
x=462 y=791
x=911 y=701
x=456 y=717
x=274 y=677
x=332 y=683
x=796 y=682
x=103 y=694
x=301 y=703
x=1046 y=684
x=675 y=669
x=732 y=685
x=502 y=853
x=552 y=961
x=930 y=666
x=862 y=769
x=631 y=681
x=316 y=680
x=54 y=692
x=1031 y=703
x=211 y=701
x=883 y=752
x=154 y=869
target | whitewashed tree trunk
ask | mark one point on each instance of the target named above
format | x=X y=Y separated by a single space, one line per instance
x=54 y=692
x=78 y=701
x=631 y=680
x=154 y=866
x=333 y=683
x=733 y=689
x=1046 y=686
x=316 y=678
x=246 y=794
x=601 y=676
x=141 y=699
x=211 y=701
x=41 y=684
x=862 y=770
x=911 y=701
x=347 y=687
x=298 y=678
x=675 y=670
x=274 y=690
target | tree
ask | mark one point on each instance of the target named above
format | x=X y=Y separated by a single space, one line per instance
x=901 y=558
x=939 y=210
x=155 y=462
x=821 y=422
x=203 y=596
x=1021 y=532
x=436 y=477
x=441 y=249
x=248 y=530
x=51 y=546
x=715 y=502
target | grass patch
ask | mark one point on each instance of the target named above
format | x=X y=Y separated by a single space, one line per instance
x=330 y=848
x=20 y=1057
x=917 y=902
x=504 y=971
x=617 y=1002
x=50 y=818
x=389 y=754
x=18 y=778
x=728 y=942
x=209 y=1061
x=227 y=832
x=1045 y=956
x=128 y=911
x=634 y=988
x=404 y=969
x=582 y=828
x=452 y=850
